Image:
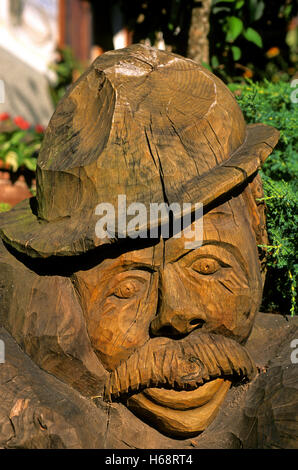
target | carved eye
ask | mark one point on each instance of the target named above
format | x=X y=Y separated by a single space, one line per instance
x=127 y=289
x=206 y=266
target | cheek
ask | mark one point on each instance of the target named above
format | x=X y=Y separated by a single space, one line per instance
x=232 y=315
x=117 y=327
x=227 y=307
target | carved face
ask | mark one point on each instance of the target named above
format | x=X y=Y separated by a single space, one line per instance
x=168 y=323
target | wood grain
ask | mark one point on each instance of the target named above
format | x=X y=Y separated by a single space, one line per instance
x=139 y=122
x=146 y=327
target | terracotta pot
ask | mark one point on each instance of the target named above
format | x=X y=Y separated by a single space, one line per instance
x=14 y=186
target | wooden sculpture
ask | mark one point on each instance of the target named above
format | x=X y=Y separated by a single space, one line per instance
x=137 y=335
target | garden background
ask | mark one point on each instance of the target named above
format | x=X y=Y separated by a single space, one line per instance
x=252 y=45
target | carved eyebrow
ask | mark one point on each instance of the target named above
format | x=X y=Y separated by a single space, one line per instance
x=218 y=217
x=231 y=249
x=142 y=266
x=220 y=213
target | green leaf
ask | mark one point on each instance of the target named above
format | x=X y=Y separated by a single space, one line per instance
x=12 y=159
x=234 y=86
x=5 y=147
x=256 y=8
x=17 y=137
x=287 y=11
x=252 y=35
x=220 y=9
x=214 y=62
x=236 y=51
x=207 y=66
x=4 y=207
x=239 y=4
x=30 y=163
x=214 y=2
x=259 y=11
x=233 y=28
x=20 y=157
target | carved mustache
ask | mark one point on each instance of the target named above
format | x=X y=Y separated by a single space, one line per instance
x=180 y=364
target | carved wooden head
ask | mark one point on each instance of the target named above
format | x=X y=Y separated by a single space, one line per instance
x=168 y=324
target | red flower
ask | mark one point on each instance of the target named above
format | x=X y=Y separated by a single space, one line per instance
x=39 y=128
x=4 y=116
x=21 y=123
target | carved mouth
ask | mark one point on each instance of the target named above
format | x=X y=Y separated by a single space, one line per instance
x=184 y=400
x=180 y=414
x=177 y=386
x=181 y=365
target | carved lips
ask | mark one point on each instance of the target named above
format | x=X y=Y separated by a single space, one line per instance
x=180 y=414
x=184 y=400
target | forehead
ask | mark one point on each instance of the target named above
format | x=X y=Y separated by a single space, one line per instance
x=226 y=226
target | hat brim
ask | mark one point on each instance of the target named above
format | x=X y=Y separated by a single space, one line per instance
x=23 y=230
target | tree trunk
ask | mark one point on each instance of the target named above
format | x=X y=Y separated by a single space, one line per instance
x=198 y=44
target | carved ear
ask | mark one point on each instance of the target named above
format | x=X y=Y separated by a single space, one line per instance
x=254 y=195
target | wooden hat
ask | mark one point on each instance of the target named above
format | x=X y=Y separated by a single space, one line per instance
x=143 y=123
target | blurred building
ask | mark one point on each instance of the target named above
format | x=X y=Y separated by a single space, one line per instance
x=28 y=39
x=31 y=31
x=91 y=27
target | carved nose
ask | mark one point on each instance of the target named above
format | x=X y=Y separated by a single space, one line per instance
x=175 y=323
x=177 y=313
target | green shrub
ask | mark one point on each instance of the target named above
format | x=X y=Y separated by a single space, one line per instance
x=282 y=220
x=253 y=38
x=271 y=103
x=67 y=68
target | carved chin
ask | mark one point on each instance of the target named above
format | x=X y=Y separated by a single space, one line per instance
x=180 y=414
